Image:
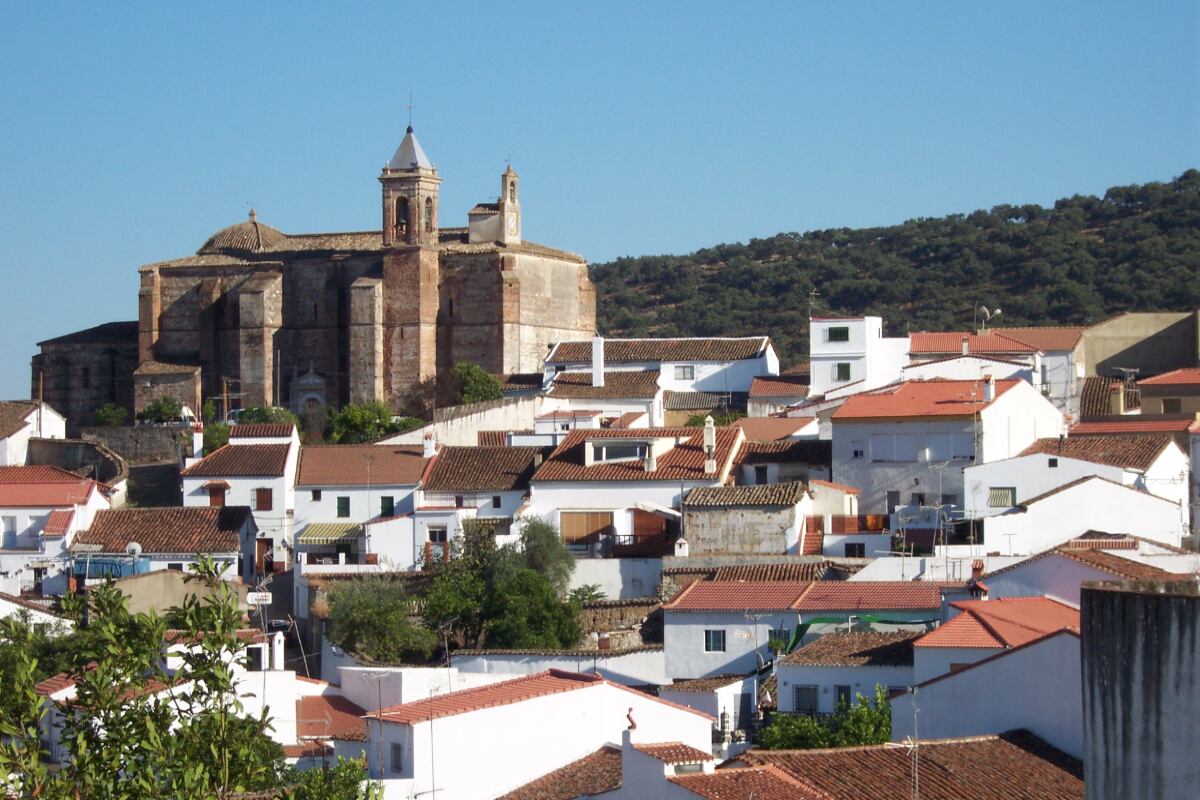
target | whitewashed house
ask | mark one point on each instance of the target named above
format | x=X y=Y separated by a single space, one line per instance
x=480 y=743
x=1033 y=686
x=852 y=351
x=731 y=700
x=256 y=469
x=783 y=460
x=1060 y=573
x=835 y=669
x=767 y=519
x=968 y=367
x=1152 y=463
x=41 y=510
x=773 y=393
x=906 y=445
x=22 y=420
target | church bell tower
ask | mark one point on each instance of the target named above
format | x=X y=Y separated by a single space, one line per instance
x=510 y=207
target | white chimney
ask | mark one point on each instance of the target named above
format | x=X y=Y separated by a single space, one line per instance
x=710 y=445
x=966 y=346
x=989 y=389
x=198 y=440
x=651 y=460
x=597 y=361
x=429 y=445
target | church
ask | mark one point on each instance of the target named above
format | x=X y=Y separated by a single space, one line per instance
x=315 y=319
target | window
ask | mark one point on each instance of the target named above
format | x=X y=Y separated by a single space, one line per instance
x=857 y=450
x=316 y=495
x=948 y=446
x=841 y=371
x=956 y=666
x=804 y=699
x=1002 y=496
x=917 y=499
x=497 y=501
x=950 y=500
x=428 y=214
x=397 y=757
x=216 y=496
x=343 y=504
x=893 y=501
x=843 y=695
x=855 y=550
x=618 y=452
x=175 y=566
x=685 y=372
x=714 y=641
x=387 y=506
x=1053 y=464
x=262 y=499
x=401 y=219
x=841 y=334
x=584 y=527
x=437 y=535
x=254 y=659
x=760 y=474
x=894 y=447
x=1172 y=405
x=458 y=501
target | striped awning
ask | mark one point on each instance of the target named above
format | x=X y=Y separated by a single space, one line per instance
x=330 y=533
x=1002 y=497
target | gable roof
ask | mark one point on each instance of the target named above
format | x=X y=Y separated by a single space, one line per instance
x=769 y=494
x=1095 y=396
x=728 y=784
x=738 y=596
x=262 y=430
x=1001 y=623
x=477 y=469
x=1082 y=552
x=618 y=384
x=348 y=465
x=1045 y=337
x=241 y=461
x=791 y=386
x=702 y=685
x=330 y=717
x=924 y=398
x=626 y=351
x=685 y=461
x=804 y=596
x=194 y=529
x=14 y=415
x=1187 y=376
x=1132 y=423
x=674 y=753
x=1024 y=504
x=794 y=570
x=1132 y=452
x=43 y=487
x=925 y=342
x=590 y=776
x=860 y=649
x=1012 y=764
x=772 y=429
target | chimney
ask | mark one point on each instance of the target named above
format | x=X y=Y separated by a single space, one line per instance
x=428 y=445
x=966 y=345
x=537 y=459
x=710 y=445
x=597 y=361
x=1116 y=398
x=197 y=440
x=989 y=389
x=1061 y=439
x=651 y=460
x=977 y=569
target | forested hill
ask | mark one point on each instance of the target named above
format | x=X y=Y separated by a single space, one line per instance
x=1137 y=248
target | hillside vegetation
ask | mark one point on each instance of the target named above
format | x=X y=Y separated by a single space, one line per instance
x=1085 y=259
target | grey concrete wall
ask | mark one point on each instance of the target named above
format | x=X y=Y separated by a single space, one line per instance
x=1152 y=342
x=1141 y=690
x=144 y=444
x=100 y=462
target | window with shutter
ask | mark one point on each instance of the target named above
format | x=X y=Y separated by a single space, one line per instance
x=584 y=527
x=1002 y=496
x=262 y=499
x=804 y=699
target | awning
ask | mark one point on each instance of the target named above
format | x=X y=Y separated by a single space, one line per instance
x=655 y=508
x=222 y=485
x=330 y=533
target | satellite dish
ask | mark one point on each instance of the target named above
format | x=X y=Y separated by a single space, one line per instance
x=133 y=549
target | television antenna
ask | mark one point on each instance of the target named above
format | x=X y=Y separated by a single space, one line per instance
x=986 y=314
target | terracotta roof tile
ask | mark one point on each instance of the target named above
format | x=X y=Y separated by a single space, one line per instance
x=790 y=386
x=702 y=685
x=1094 y=397
x=59 y=522
x=330 y=717
x=305 y=750
x=693 y=401
x=491 y=438
x=929 y=398
x=685 y=461
x=1047 y=338
x=1131 y=423
x=521 y=381
x=262 y=430
x=738 y=596
x=768 y=494
x=929 y=342
x=771 y=429
x=674 y=753
x=1001 y=623
x=590 y=776
x=165 y=530
x=625 y=351
x=865 y=649
x=540 y=684
x=840 y=487
x=1088 y=552
x=46 y=488
x=1188 y=376
x=627 y=419
x=1012 y=764
x=40 y=604
x=347 y=465
x=789 y=571
x=479 y=469
x=802 y=451
x=163 y=368
x=36 y=474
x=871 y=596
x=1134 y=452
x=241 y=461
x=13 y=414
x=736 y=784
x=634 y=384
x=54 y=684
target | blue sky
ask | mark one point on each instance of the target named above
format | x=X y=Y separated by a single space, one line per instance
x=131 y=133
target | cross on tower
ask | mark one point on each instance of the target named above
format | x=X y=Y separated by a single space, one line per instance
x=410 y=109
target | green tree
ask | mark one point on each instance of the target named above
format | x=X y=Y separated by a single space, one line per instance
x=164 y=409
x=371 y=616
x=111 y=415
x=474 y=385
x=267 y=415
x=794 y=732
x=355 y=424
x=543 y=551
x=865 y=721
x=720 y=419
x=216 y=435
x=524 y=610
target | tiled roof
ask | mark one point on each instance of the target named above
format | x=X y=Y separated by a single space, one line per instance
x=791 y=386
x=1015 y=764
x=251 y=235
x=674 y=753
x=40 y=604
x=702 y=685
x=1091 y=556
x=165 y=530
x=241 y=461
x=556 y=651
x=330 y=717
x=491 y=438
x=685 y=461
x=1132 y=423
x=163 y=368
x=541 y=684
x=244 y=635
x=738 y=596
x=590 y=776
x=866 y=649
x=305 y=750
x=262 y=430
x=768 y=494
x=348 y=464
x=13 y=414
x=1188 y=376
x=54 y=684
x=771 y=429
x=125 y=332
x=59 y=522
x=627 y=419
x=976 y=356
x=36 y=474
x=521 y=381
x=44 y=489
x=735 y=784
x=926 y=342
x=485 y=208
x=1047 y=338
x=839 y=487
x=693 y=401
x=1133 y=452
x=636 y=384
x=480 y=469
x=1001 y=623
x=931 y=398
x=790 y=571
x=871 y=596
x=802 y=451
x=625 y=351
x=1094 y=397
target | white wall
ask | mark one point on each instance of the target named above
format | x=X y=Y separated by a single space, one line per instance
x=549 y=498
x=509 y=414
x=1014 y=421
x=683 y=640
x=1001 y=696
x=638 y=667
x=14 y=449
x=719 y=376
x=619 y=578
x=1052 y=575
x=1031 y=476
x=967 y=368
x=861 y=680
x=930 y=662
x=325 y=509
x=275 y=524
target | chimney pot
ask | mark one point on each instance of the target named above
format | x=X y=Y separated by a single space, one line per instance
x=597 y=361
x=966 y=346
x=989 y=389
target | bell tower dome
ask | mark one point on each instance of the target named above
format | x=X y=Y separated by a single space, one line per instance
x=510 y=207
x=410 y=196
